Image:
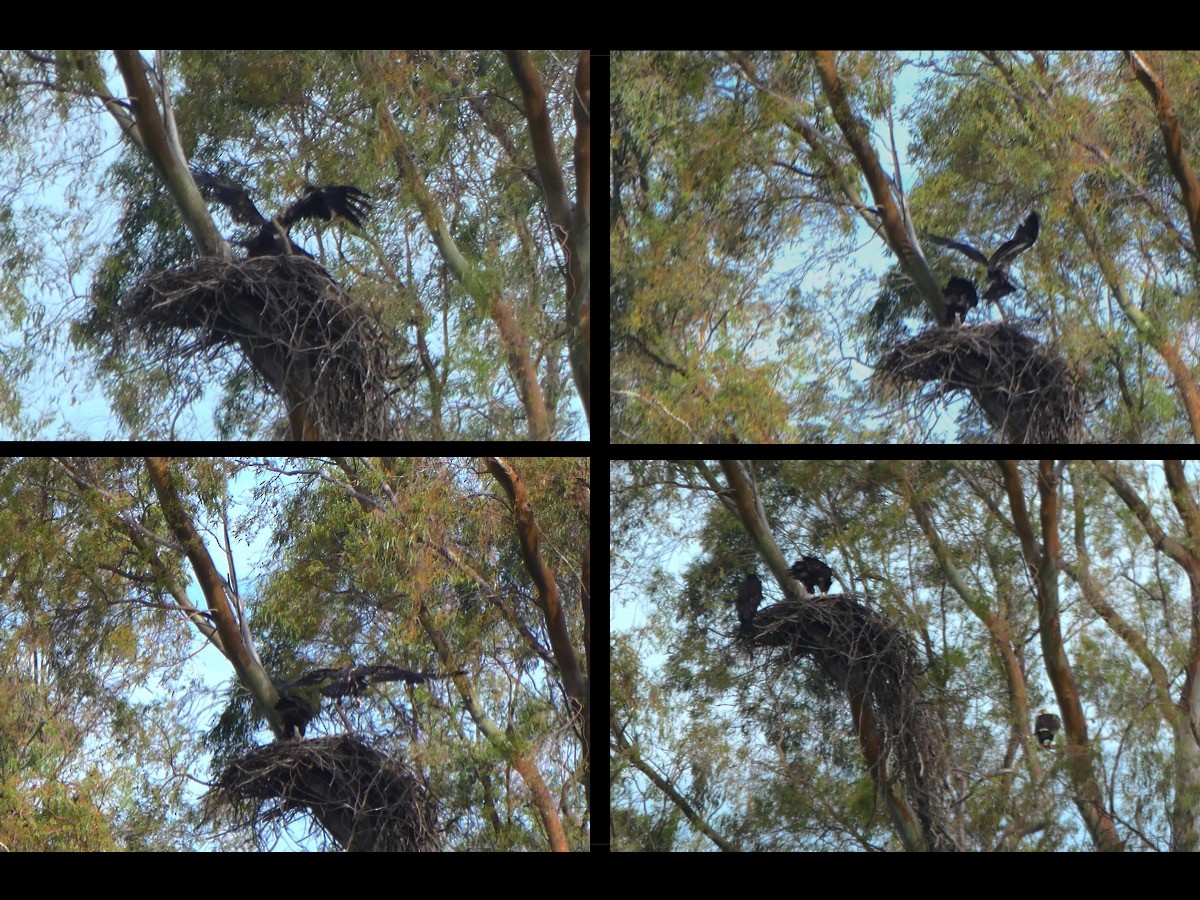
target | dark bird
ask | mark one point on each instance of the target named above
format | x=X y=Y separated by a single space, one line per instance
x=324 y=203
x=297 y=713
x=960 y=298
x=347 y=681
x=353 y=680
x=813 y=573
x=749 y=596
x=273 y=238
x=1046 y=726
x=998 y=283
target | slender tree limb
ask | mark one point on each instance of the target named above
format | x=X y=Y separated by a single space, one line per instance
x=575 y=684
x=242 y=656
x=1168 y=124
x=521 y=365
x=1041 y=558
x=896 y=226
x=629 y=752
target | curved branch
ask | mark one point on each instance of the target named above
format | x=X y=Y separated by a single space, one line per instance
x=897 y=227
x=240 y=653
x=529 y=537
x=166 y=155
x=1168 y=124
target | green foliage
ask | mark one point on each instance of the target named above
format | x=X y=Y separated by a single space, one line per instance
x=765 y=745
x=276 y=120
x=686 y=258
x=101 y=713
x=888 y=320
x=739 y=282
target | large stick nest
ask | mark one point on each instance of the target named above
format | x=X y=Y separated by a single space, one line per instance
x=1026 y=389
x=298 y=327
x=875 y=660
x=364 y=799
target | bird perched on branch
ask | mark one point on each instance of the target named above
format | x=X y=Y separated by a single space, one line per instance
x=750 y=595
x=1046 y=726
x=273 y=238
x=998 y=283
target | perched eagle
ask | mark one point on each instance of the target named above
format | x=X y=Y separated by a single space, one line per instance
x=297 y=713
x=273 y=238
x=998 y=283
x=1046 y=726
x=813 y=573
x=749 y=596
x=960 y=298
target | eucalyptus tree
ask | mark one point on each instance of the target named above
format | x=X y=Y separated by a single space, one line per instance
x=441 y=607
x=476 y=271
x=769 y=215
x=1054 y=584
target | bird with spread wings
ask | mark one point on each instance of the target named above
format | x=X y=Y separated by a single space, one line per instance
x=999 y=283
x=273 y=237
x=347 y=681
x=353 y=680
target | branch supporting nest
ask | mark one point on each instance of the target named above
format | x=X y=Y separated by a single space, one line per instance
x=302 y=332
x=364 y=799
x=1026 y=389
x=875 y=659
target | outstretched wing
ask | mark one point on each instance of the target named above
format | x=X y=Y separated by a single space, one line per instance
x=374 y=674
x=965 y=249
x=352 y=680
x=343 y=200
x=231 y=195
x=1027 y=233
x=308 y=679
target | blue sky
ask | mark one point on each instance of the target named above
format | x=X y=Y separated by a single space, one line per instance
x=62 y=397
x=871 y=256
x=676 y=546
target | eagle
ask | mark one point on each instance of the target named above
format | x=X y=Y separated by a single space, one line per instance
x=346 y=681
x=350 y=681
x=960 y=298
x=998 y=283
x=812 y=573
x=1046 y=726
x=297 y=713
x=749 y=596
x=273 y=238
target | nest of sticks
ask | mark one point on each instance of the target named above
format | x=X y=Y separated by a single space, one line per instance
x=1026 y=389
x=366 y=800
x=296 y=325
x=876 y=661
